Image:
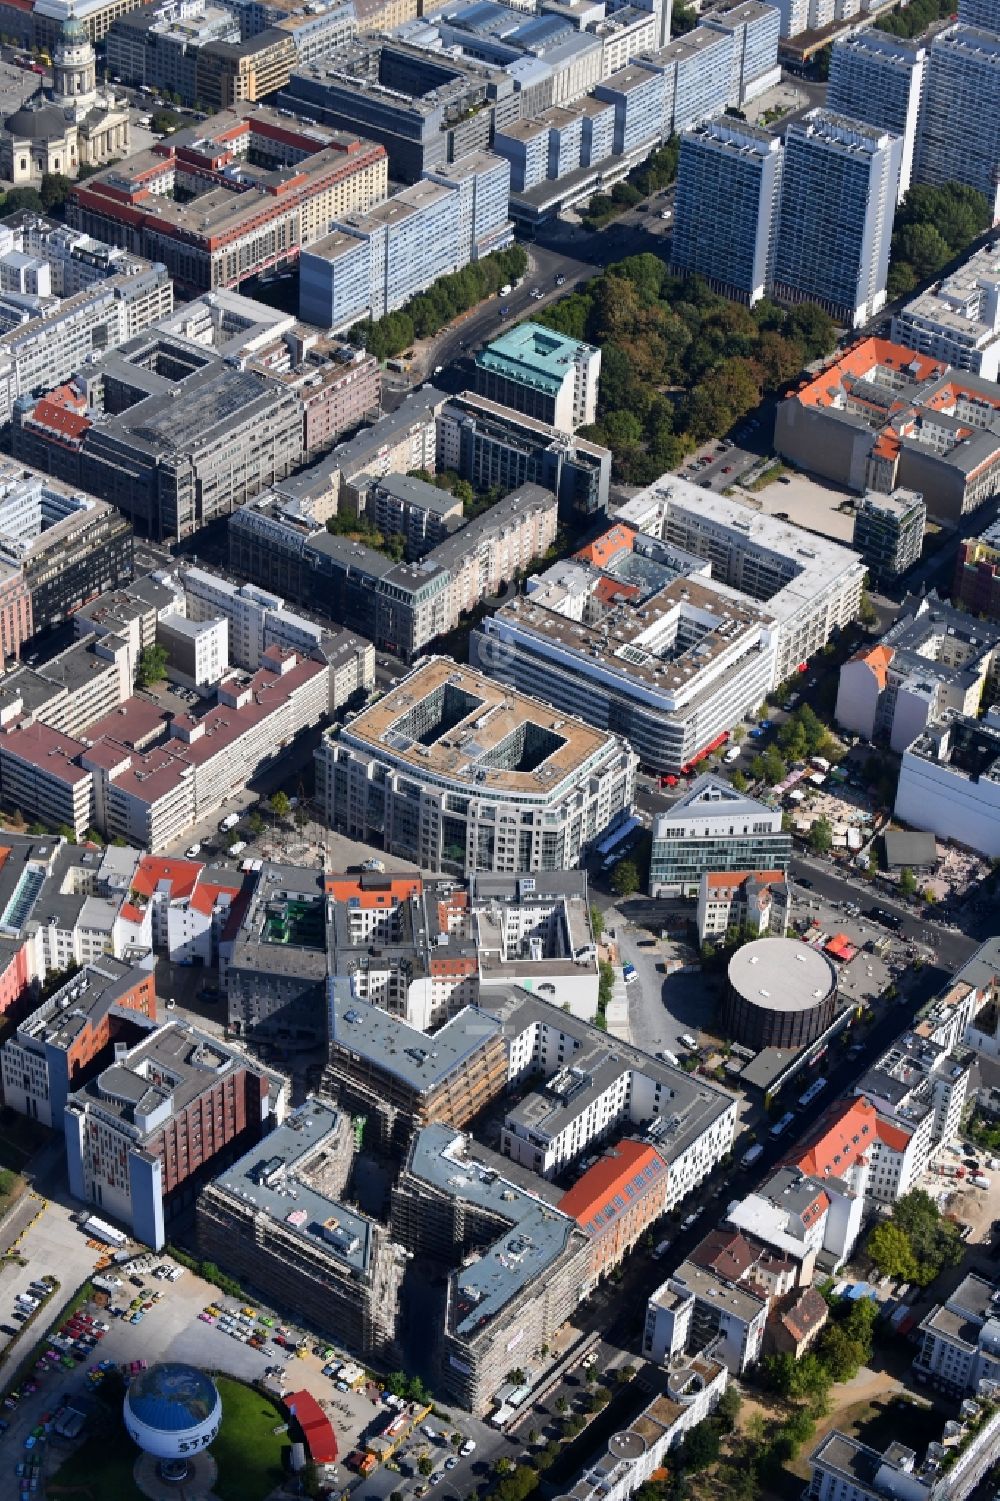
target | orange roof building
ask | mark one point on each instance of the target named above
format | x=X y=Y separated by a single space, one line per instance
x=883 y=417
x=616 y=1200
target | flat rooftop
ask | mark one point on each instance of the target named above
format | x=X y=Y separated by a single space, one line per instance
x=782 y=974
x=419 y=1060
x=271 y=1177
x=453 y=722
x=519 y=1257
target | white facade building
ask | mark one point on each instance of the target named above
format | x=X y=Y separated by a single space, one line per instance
x=880 y=79
x=957 y=321
x=949 y=782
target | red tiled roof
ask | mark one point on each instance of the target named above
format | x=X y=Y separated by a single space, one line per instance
x=205 y=896
x=840 y=1139
x=623 y=1174
x=395 y=889
x=181 y=876
x=807 y=1314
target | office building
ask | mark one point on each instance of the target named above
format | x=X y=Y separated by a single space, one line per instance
x=64 y=296
x=879 y=78
x=424 y=109
x=72 y=1033
x=633 y=632
x=199 y=56
x=542 y=373
x=933 y=660
x=131 y=612
x=60 y=547
x=144 y=1133
x=536 y=789
x=631 y=1174
x=276 y=968
x=962 y=87
x=265 y=187
x=335 y=1265
x=889 y=532
x=809 y=586
x=842 y=1468
x=445 y=1202
x=726 y=207
x=490 y=444
x=838 y=197
x=949 y=782
x=976 y=585
x=401 y=607
x=170 y=432
x=711 y=827
x=96 y=17
x=880 y=417
x=373 y=262
x=960 y=1340
x=752 y=902
x=957 y=321
x=197 y=650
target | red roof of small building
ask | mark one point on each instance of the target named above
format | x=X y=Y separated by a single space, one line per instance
x=317 y=1430
x=613 y=1184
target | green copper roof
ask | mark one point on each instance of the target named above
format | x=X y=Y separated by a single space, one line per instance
x=532 y=356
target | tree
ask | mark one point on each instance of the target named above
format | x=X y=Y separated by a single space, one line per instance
x=889 y=1248
x=152 y=666
x=700 y=1447
x=425 y=1464
x=907 y=881
x=280 y=804
x=867 y=613
x=54 y=191
x=596 y=922
x=727 y=1411
x=841 y=1355
x=625 y=878
x=255 y=824
x=739 y=781
x=562 y=1405
x=774 y=766
x=821 y=836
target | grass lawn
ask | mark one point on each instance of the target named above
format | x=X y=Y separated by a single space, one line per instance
x=247 y=1452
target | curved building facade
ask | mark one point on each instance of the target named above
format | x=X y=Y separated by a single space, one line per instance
x=172 y=1411
x=781 y=994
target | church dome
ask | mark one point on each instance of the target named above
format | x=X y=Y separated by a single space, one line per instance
x=45 y=122
x=73 y=31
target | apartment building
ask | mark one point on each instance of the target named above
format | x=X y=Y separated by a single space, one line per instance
x=447 y=1201
x=251 y=214
x=919 y=1088
x=374 y=262
x=615 y=1202
x=933 y=659
x=594 y=1089
x=144 y=1133
x=535 y=789
x=976 y=585
x=960 y=1339
x=949 y=781
x=697 y=77
x=180 y=908
x=726 y=207
x=130 y=612
x=491 y=444
x=825 y=251
x=200 y=56
x=756 y=902
x=889 y=532
x=957 y=321
x=881 y=417
x=844 y=1469
x=809 y=585
x=197 y=650
x=712 y=827
x=879 y=78
x=420 y=512
x=634 y=633
x=963 y=84
x=339 y=1267
x=168 y=431
x=811 y=1223
x=697 y=1309
x=96 y=16
x=542 y=373
x=401 y=1079
x=69 y=1035
x=276 y=961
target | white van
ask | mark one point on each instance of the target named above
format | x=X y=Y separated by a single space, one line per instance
x=689 y=1041
x=732 y=754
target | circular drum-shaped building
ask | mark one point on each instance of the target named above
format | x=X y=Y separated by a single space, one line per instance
x=172 y=1411
x=782 y=994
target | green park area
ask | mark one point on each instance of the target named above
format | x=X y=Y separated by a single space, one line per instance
x=247 y=1451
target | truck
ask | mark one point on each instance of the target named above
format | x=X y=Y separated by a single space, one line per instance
x=100 y=1230
x=751 y=1155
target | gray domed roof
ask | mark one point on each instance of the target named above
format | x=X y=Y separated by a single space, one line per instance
x=172 y=1396
x=41 y=123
